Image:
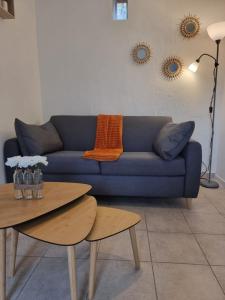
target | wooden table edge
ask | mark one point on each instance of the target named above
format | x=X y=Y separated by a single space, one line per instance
x=44 y=241
x=108 y=236
x=50 y=211
x=45 y=214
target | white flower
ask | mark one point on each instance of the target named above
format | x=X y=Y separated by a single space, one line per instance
x=25 y=162
x=39 y=160
x=13 y=161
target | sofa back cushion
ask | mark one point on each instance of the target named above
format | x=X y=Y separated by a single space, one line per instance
x=140 y=132
x=78 y=132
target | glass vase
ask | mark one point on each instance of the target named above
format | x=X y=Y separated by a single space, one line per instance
x=38 y=182
x=28 y=180
x=18 y=180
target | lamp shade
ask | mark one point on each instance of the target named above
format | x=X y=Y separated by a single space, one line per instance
x=194 y=67
x=216 y=31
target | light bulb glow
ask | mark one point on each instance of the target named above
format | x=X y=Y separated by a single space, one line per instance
x=194 y=67
x=216 y=31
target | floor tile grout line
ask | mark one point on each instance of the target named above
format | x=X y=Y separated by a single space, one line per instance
x=212 y=269
x=145 y=221
x=122 y=259
x=193 y=234
x=62 y=258
x=209 y=234
x=188 y=233
x=211 y=202
x=204 y=233
x=163 y=262
x=153 y=273
x=201 y=212
x=28 y=278
x=191 y=231
x=160 y=262
x=170 y=232
x=97 y=255
x=214 y=265
x=181 y=263
x=207 y=261
x=208 y=199
x=98 y=248
x=141 y=229
x=179 y=209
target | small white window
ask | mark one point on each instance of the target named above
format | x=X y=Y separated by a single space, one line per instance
x=120 y=10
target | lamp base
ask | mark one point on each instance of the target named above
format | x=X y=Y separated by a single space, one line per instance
x=209 y=184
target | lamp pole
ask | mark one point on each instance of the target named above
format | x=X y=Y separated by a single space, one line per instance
x=208 y=182
x=216 y=32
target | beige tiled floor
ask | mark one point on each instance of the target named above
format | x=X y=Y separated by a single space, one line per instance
x=182 y=256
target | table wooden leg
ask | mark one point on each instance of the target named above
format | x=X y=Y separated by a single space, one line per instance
x=13 y=250
x=134 y=247
x=2 y=264
x=92 y=271
x=72 y=271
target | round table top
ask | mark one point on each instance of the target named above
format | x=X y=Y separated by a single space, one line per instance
x=56 y=194
x=66 y=226
x=111 y=221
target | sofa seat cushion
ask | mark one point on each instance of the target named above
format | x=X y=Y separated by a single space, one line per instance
x=143 y=164
x=70 y=162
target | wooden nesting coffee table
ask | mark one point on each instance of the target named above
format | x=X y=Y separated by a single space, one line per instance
x=65 y=216
x=59 y=200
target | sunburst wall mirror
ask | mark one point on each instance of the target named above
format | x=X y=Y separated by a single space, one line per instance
x=141 y=53
x=190 y=26
x=172 y=67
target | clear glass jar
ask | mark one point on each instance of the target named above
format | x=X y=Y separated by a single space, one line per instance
x=28 y=180
x=18 y=180
x=38 y=181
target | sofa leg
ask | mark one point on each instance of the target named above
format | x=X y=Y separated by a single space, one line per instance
x=188 y=203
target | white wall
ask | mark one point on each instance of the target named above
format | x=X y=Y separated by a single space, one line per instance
x=19 y=72
x=86 y=67
x=220 y=155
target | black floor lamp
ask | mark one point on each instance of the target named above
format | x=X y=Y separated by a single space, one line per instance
x=216 y=32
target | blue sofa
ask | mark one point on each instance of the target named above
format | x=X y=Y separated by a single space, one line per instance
x=138 y=172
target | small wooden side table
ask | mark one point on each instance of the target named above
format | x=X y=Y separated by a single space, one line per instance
x=109 y=222
x=66 y=227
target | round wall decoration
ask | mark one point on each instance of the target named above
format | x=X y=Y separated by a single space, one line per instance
x=172 y=67
x=190 y=26
x=141 y=53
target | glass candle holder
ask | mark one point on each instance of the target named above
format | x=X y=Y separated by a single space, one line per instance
x=28 y=180
x=18 y=181
x=38 y=183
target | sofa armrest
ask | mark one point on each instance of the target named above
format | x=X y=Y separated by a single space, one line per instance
x=192 y=154
x=11 y=148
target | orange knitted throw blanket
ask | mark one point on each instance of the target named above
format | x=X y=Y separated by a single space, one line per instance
x=108 y=141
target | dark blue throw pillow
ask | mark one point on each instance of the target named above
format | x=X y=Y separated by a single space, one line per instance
x=37 y=139
x=172 y=139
